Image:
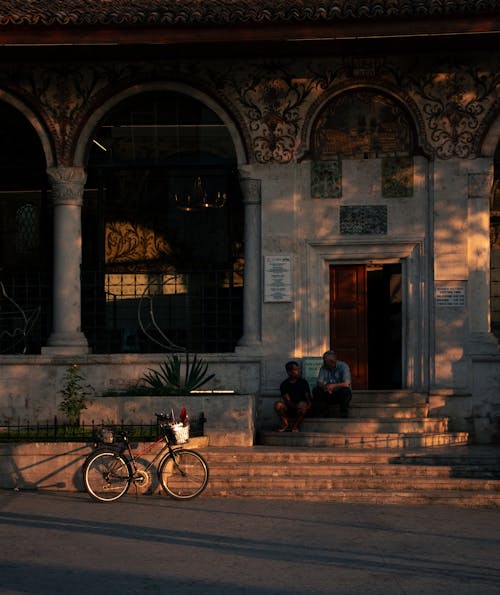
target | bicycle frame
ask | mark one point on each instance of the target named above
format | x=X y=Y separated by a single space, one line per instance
x=133 y=458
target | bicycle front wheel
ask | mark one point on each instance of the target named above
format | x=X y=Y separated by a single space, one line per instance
x=183 y=474
x=107 y=476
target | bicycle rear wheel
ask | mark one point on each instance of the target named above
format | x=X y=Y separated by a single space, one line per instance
x=183 y=474
x=107 y=476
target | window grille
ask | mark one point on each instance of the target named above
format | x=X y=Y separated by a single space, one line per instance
x=27 y=229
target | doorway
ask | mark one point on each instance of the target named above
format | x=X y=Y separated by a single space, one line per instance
x=366 y=322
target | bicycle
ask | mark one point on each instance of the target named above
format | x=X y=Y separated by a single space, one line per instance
x=110 y=470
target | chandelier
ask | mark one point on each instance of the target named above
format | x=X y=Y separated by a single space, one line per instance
x=197 y=197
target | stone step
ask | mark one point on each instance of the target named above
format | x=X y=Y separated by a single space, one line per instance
x=355 y=469
x=320 y=482
x=459 y=498
x=365 y=440
x=469 y=455
x=388 y=410
x=333 y=425
x=456 y=475
x=401 y=397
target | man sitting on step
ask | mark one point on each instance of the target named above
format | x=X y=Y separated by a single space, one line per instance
x=295 y=398
x=333 y=387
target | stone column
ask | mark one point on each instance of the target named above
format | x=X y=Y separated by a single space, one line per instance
x=252 y=298
x=478 y=258
x=67 y=191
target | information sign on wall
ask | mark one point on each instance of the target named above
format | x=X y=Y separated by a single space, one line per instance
x=278 y=278
x=450 y=295
x=310 y=369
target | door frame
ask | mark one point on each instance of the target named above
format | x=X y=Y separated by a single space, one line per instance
x=313 y=325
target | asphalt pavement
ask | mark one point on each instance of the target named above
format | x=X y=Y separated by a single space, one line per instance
x=64 y=543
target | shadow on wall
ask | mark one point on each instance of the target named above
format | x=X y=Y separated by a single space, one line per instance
x=42 y=466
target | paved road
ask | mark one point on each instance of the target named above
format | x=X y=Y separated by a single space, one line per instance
x=58 y=543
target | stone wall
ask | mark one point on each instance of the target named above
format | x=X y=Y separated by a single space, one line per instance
x=54 y=466
x=230 y=419
x=31 y=385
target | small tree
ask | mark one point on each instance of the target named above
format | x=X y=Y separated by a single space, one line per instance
x=75 y=394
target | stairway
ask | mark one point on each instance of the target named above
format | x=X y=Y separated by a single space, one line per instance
x=382 y=419
x=467 y=476
x=388 y=451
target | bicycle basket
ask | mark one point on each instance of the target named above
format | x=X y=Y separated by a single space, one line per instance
x=178 y=432
x=105 y=435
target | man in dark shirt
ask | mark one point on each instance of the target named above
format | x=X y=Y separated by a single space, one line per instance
x=295 y=398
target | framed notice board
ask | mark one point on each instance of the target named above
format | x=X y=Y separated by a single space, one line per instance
x=310 y=369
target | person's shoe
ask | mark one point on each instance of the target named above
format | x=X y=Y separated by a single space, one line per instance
x=295 y=429
x=283 y=429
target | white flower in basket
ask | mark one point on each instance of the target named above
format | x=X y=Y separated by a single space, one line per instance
x=180 y=432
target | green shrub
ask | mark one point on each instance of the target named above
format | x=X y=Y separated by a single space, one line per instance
x=75 y=394
x=169 y=380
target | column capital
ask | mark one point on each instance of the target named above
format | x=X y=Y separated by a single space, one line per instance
x=67 y=184
x=251 y=190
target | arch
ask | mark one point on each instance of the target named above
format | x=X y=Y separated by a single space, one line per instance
x=491 y=138
x=152 y=229
x=407 y=106
x=179 y=87
x=35 y=122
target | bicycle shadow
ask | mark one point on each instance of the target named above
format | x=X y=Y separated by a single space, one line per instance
x=21 y=469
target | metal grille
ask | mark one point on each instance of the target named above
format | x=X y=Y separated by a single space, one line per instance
x=25 y=312
x=199 y=311
x=196 y=311
x=27 y=229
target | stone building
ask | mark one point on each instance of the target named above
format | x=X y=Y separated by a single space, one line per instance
x=252 y=182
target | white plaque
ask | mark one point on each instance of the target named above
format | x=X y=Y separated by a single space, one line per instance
x=277 y=278
x=450 y=295
x=310 y=369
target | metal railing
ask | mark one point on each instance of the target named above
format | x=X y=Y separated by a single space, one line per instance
x=54 y=431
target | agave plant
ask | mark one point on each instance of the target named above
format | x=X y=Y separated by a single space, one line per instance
x=169 y=380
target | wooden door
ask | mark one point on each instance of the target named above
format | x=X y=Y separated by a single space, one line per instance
x=348 y=319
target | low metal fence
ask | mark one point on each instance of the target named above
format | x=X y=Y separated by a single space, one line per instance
x=55 y=431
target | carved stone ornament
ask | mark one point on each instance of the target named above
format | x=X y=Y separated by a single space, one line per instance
x=363 y=220
x=454 y=98
x=272 y=99
x=272 y=102
x=67 y=185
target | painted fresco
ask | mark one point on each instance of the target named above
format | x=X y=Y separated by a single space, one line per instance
x=326 y=179
x=397 y=177
x=361 y=125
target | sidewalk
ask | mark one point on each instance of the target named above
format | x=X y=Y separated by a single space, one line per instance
x=60 y=543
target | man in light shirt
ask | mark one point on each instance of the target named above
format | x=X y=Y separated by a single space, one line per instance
x=333 y=386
